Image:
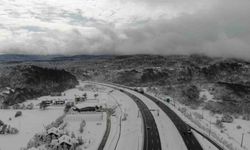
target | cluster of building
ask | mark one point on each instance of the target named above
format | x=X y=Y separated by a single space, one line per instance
x=7 y=129
x=58 y=140
x=78 y=99
x=4 y=93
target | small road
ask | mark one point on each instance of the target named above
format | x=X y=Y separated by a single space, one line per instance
x=189 y=139
x=106 y=134
x=120 y=120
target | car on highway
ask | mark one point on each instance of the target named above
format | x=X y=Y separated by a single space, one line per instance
x=188 y=130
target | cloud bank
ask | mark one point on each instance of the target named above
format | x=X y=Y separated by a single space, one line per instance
x=217 y=28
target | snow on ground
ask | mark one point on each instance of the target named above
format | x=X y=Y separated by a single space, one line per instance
x=207 y=96
x=93 y=131
x=169 y=135
x=126 y=134
x=106 y=100
x=33 y=121
x=216 y=133
x=230 y=130
x=30 y=123
x=132 y=127
x=206 y=145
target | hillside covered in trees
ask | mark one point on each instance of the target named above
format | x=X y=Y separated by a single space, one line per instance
x=21 y=82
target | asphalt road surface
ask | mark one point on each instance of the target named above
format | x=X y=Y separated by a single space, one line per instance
x=189 y=139
x=106 y=135
x=151 y=134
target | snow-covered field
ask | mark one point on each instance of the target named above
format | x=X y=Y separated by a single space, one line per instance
x=93 y=131
x=30 y=123
x=33 y=121
x=127 y=128
x=131 y=136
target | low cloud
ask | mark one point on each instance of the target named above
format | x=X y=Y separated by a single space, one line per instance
x=216 y=28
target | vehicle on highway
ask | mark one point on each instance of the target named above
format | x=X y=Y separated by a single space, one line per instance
x=188 y=130
x=141 y=91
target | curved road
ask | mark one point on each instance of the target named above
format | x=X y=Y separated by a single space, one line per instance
x=106 y=134
x=189 y=139
x=151 y=134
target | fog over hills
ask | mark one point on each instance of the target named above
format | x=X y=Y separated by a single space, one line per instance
x=104 y=27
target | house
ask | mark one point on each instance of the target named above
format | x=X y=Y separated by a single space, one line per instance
x=59 y=102
x=86 y=109
x=38 y=148
x=66 y=141
x=3 y=96
x=54 y=144
x=47 y=102
x=54 y=132
x=33 y=148
x=55 y=94
x=80 y=99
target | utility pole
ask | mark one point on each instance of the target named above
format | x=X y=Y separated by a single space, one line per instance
x=242 y=138
x=202 y=114
x=210 y=127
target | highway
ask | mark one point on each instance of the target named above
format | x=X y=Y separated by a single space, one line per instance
x=189 y=139
x=151 y=134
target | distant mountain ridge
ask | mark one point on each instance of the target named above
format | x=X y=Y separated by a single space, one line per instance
x=8 y=58
x=21 y=57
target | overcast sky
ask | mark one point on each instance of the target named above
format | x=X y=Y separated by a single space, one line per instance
x=213 y=27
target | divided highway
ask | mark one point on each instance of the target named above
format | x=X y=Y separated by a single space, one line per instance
x=189 y=139
x=151 y=134
x=151 y=138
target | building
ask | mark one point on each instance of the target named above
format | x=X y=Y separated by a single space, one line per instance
x=54 y=132
x=33 y=148
x=38 y=148
x=59 y=102
x=47 y=102
x=80 y=99
x=55 y=94
x=66 y=141
x=86 y=109
x=54 y=144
